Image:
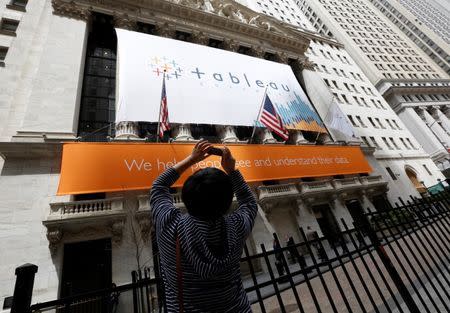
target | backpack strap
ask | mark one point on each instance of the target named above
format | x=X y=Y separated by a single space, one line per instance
x=179 y=275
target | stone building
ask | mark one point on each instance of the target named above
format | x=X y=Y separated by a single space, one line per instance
x=397 y=150
x=401 y=72
x=58 y=85
x=426 y=25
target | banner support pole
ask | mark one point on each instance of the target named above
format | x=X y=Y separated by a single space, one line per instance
x=259 y=114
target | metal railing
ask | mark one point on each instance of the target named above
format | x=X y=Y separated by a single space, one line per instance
x=394 y=260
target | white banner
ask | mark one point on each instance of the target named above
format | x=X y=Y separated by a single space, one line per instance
x=204 y=85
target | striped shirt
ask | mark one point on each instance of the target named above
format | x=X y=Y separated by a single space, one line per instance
x=210 y=250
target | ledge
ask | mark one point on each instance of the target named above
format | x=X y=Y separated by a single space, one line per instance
x=16 y=7
x=8 y=33
x=30 y=149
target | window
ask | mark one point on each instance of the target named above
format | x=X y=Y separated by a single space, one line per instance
x=371 y=122
x=360 y=121
x=404 y=143
x=391 y=173
x=379 y=122
x=3 y=52
x=366 y=142
x=389 y=123
x=393 y=143
x=8 y=27
x=17 y=5
x=375 y=143
x=97 y=107
x=426 y=169
x=387 y=143
x=352 y=120
x=395 y=123
x=411 y=144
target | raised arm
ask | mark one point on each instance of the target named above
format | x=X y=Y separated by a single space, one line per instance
x=246 y=213
x=161 y=200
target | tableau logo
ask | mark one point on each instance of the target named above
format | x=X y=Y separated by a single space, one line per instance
x=173 y=70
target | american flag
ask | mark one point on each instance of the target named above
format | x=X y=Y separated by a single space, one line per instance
x=270 y=118
x=163 y=111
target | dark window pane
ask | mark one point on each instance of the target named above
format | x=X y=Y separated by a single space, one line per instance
x=9 y=25
x=97 y=111
x=3 y=52
x=21 y=3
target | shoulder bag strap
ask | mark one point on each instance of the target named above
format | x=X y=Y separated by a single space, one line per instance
x=179 y=276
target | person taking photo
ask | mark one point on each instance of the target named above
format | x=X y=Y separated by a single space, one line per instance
x=200 y=250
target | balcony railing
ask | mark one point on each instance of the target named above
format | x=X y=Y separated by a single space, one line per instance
x=285 y=190
x=315 y=186
x=88 y=207
x=371 y=180
x=347 y=183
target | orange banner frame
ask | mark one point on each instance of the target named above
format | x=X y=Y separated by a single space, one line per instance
x=107 y=167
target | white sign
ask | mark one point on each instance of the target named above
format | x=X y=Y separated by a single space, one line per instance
x=204 y=85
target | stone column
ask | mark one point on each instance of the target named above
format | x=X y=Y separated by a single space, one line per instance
x=446 y=111
x=422 y=133
x=60 y=65
x=228 y=134
x=298 y=138
x=266 y=137
x=324 y=138
x=435 y=127
x=341 y=211
x=125 y=130
x=182 y=133
x=441 y=117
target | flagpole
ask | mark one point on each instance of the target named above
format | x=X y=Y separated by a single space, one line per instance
x=259 y=114
x=160 y=105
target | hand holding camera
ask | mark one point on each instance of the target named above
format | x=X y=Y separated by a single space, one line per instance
x=203 y=149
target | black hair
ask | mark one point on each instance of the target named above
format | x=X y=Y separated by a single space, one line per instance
x=207 y=194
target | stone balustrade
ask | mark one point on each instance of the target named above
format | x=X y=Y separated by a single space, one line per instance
x=62 y=210
x=370 y=180
x=285 y=190
x=106 y=215
x=347 y=183
x=315 y=186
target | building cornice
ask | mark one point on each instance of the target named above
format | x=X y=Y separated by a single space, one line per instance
x=389 y=87
x=218 y=19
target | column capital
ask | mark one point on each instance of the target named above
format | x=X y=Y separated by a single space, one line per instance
x=125 y=22
x=231 y=45
x=127 y=131
x=70 y=10
x=228 y=134
x=54 y=236
x=258 y=51
x=282 y=57
x=200 y=38
x=182 y=133
x=165 y=30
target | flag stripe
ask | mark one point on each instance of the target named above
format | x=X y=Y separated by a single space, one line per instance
x=270 y=118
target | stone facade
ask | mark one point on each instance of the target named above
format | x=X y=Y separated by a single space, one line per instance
x=42 y=83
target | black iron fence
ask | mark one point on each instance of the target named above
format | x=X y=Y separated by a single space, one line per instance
x=394 y=260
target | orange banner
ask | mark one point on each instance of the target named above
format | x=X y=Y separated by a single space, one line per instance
x=102 y=167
